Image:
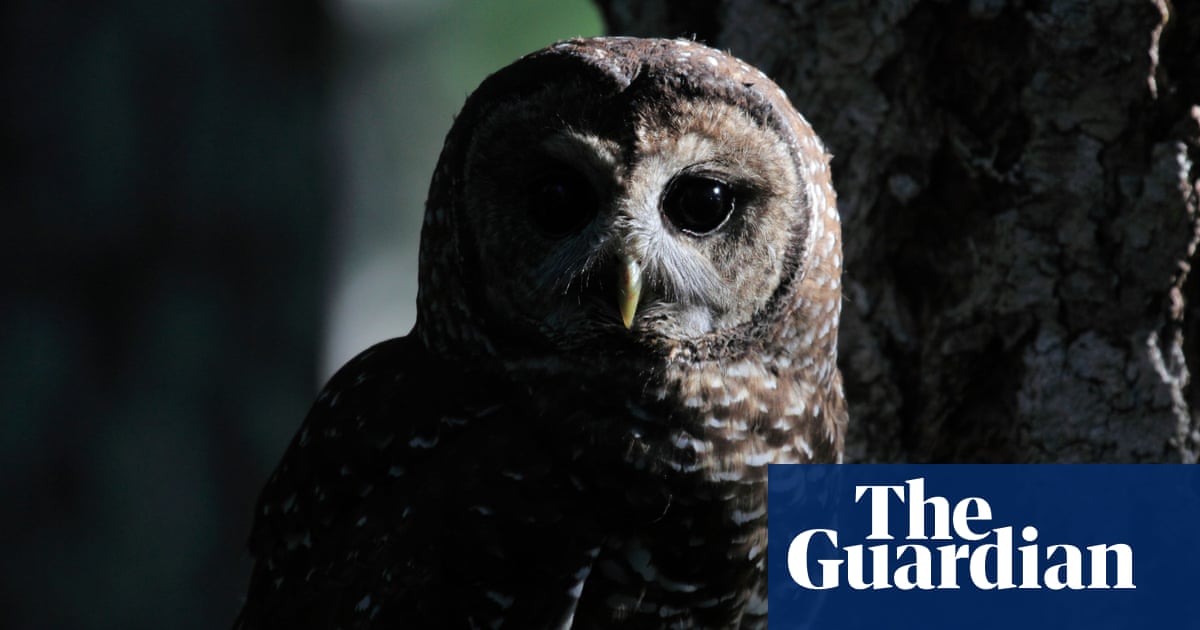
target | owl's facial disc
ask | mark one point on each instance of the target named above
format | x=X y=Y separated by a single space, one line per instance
x=666 y=221
x=709 y=207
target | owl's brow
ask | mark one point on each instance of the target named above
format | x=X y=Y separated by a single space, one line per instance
x=592 y=156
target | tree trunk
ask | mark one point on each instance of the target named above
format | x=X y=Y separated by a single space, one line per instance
x=1018 y=192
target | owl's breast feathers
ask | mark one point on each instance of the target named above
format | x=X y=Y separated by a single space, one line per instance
x=424 y=496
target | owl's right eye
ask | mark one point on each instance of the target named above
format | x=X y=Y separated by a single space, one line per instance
x=698 y=205
x=561 y=203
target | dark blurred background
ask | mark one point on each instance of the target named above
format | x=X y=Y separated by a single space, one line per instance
x=208 y=206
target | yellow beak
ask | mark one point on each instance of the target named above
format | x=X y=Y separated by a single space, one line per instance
x=630 y=288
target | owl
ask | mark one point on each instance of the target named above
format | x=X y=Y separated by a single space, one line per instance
x=628 y=307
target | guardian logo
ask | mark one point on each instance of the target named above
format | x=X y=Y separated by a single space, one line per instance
x=984 y=555
x=982 y=547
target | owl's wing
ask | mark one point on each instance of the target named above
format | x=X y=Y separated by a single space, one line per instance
x=417 y=495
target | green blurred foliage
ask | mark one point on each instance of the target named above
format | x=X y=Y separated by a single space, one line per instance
x=500 y=32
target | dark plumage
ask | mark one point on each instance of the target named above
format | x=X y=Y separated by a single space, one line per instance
x=630 y=290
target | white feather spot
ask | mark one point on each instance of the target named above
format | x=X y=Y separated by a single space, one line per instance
x=725 y=475
x=678 y=587
x=423 y=442
x=741 y=517
x=682 y=467
x=639 y=560
x=684 y=441
x=503 y=601
x=742 y=394
x=760 y=459
x=756 y=605
x=740 y=369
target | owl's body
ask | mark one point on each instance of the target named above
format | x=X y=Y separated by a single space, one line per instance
x=630 y=289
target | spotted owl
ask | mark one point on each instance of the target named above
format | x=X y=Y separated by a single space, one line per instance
x=629 y=299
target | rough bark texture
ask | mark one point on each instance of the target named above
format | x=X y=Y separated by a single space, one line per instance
x=1018 y=190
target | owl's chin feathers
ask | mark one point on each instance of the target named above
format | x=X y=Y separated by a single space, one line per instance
x=659 y=332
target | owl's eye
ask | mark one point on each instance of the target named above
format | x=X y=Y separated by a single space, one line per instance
x=561 y=203
x=698 y=205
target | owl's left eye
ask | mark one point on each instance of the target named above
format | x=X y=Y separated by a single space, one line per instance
x=698 y=205
x=561 y=203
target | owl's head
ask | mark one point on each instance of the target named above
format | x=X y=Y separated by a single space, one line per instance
x=617 y=191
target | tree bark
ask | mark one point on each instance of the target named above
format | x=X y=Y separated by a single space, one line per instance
x=1018 y=189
